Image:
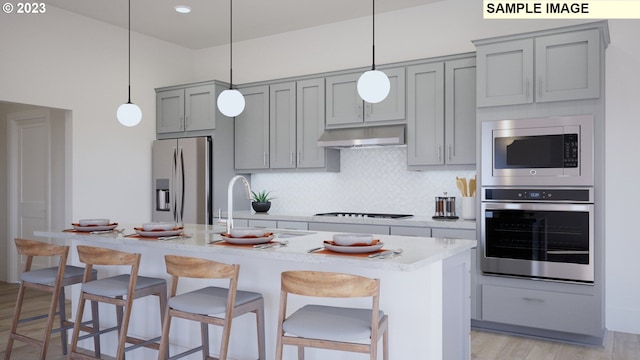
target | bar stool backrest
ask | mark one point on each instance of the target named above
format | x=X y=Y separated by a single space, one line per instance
x=31 y=248
x=329 y=284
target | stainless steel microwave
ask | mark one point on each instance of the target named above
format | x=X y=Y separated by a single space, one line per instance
x=553 y=151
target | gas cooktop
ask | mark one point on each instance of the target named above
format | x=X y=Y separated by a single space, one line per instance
x=365 y=215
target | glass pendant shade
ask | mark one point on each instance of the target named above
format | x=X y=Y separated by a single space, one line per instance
x=129 y=114
x=231 y=102
x=373 y=86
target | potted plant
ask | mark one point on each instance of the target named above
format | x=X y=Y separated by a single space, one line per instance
x=261 y=201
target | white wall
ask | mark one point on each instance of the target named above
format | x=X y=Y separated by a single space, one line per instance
x=66 y=61
x=446 y=28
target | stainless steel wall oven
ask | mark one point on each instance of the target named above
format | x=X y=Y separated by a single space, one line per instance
x=544 y=233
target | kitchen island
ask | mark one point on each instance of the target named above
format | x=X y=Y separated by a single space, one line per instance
x=425 y=290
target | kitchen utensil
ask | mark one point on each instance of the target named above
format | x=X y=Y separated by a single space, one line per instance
x=385 y=254
x=461 y=183
x=472 y=186
x=272 y=245
x=315 y=249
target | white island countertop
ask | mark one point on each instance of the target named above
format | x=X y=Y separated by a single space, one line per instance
x=425 y=290
x=416 y=251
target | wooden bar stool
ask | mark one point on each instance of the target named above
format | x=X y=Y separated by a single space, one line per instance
x=119 y=290
x=201 y=305
x=51 y=280
x=329 y=327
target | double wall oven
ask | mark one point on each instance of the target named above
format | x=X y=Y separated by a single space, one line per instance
x=537 y=198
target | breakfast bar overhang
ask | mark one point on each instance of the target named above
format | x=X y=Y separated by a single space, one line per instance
x=425 y=291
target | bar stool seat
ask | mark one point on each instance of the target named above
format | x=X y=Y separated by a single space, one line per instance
x=331 y=327
x=119 y=285
x=52 y=280
x=210 y=300
x=209 y=305
x=118 y=290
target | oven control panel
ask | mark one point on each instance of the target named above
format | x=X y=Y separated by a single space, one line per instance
x=541 y=195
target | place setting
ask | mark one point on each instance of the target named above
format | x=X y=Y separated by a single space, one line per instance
x=158 y=231
x=361 y=245
x=95 y=227
x=248 y=237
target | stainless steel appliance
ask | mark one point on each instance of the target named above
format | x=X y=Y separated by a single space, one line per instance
x=182 y=180
x=538 y=233
x=553 y=151
x=366 y=215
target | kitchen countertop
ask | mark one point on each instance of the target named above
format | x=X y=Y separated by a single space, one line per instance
x=417 y=251
x=429 y=283
x=415 y=221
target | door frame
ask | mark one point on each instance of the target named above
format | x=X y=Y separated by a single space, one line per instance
x=12 y=185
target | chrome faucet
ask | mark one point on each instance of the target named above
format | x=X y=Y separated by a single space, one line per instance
x=247 y=187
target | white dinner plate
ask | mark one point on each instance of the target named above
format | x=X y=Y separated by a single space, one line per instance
x=77 y=227
x=247 y=240
x=354 y=249
x=157 y=233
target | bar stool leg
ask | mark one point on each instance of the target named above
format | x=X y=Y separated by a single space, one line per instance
x=14 y=324
x=78 y=324
x=95 y=322
x=260 y=331
x=62 y=310
x=204 y=333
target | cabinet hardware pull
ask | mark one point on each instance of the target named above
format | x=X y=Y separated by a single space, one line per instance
x=440 y=153
x=539 y=88
x=450 y=152
x=526 y=89
x=264 y=159
x=533 y=299
x=299 y=157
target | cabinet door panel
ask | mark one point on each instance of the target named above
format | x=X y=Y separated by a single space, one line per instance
x=252 y=130
x=568 y=66
x=310 y=123
x=344 y=105
x=460 y=111
x=393 y=107
x=425 y=114
x=200 y=109
x=170 y=111
x=505 y=73
x=282 y=125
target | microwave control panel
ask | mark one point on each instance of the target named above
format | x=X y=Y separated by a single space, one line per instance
x=540 y=195
x=571 y=150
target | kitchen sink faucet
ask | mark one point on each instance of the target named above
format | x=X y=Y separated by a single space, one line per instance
x=247 y=187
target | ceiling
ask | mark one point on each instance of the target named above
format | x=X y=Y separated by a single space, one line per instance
x=208 y=23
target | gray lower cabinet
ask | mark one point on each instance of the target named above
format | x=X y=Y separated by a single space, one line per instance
x=554 y=67
x=441 y=113
x=549 y=310
x=410 y=231
x=345 y=108
x=190 y=108
x=350 y=228
x=453 y=233
x=252 y=130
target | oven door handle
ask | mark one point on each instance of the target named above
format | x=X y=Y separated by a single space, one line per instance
x=568 y=252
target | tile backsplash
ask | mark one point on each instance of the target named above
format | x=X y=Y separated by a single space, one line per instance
x=370 y=180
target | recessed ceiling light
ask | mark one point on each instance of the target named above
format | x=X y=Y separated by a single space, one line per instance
x=182 y=9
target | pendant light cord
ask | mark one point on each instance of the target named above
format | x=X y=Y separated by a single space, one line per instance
x=129 y=101
x=230 y=44
x=373 y=65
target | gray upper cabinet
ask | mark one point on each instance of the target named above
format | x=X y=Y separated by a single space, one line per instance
x=555 y=67
x=441 y=113
x=282 y=126
x=310 y=125
x=345 y=108
x=460 y=111
x=190 y=108
x=425 y=114
x=252 y=130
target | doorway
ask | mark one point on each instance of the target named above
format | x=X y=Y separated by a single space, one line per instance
x=35 y=164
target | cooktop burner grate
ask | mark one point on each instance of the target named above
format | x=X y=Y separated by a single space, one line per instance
x=366 y=215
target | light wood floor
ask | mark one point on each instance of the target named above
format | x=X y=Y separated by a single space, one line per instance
x=484 y=345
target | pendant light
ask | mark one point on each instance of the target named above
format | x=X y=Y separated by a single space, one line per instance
x=373 y=85
x=231 y=101
x=129 y=114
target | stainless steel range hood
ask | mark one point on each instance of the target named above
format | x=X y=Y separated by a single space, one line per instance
x=364 y=136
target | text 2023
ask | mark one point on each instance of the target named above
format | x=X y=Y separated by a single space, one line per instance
x=31 y=8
